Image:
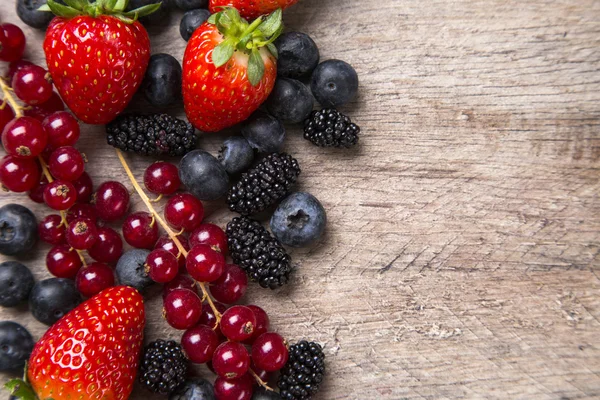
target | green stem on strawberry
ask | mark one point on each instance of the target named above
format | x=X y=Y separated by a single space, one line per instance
x=116 y=8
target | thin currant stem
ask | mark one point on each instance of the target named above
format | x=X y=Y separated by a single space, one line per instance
x=10 y=99
x=260 y=381
x=166 y=227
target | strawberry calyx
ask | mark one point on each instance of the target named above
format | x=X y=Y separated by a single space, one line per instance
x=115 y=8
x=249 y=38
x=21 y=389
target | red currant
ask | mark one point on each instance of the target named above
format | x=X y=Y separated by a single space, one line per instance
x=181 y=282
x=82 y=211
x=262 y=323
x=238 y=323
x=112 y=201
x=37 y=192
x=162 y=178
x=234 y=389
x=140 y=230
x=182 y=308
x=211 y=235
x=184 y=211
x=63 y=262
x=32 y=84
x=208 y=315
x=41 y=111
x=165 y=242
x=161 y=266
x=60 y=195
x=81 y=234
x=199 y=343
x=24 y=137
x=108 y=247
x=19 y=175
x=231 y=285
x=84 y=187
x=62 y=129
x=52 y=230
x=6 y=114
x=66 y=163
x=14 y=66
x=94 y=278
x=270 y=352
x=231 y=360
x=12 y=42
x=261 y=373
x=204 y=264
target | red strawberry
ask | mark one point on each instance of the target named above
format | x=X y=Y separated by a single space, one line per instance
x=229 y=69
x=251 y=9
x=97 y=61
x=90 y=353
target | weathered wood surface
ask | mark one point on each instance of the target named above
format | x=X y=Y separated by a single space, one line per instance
x=461 y=259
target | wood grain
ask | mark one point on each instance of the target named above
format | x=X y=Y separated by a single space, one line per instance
x=462 y=255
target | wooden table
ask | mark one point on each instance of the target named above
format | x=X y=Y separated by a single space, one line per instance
x=462 y=253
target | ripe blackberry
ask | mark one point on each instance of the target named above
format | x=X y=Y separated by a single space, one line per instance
x=301 y=376
x=258 y=253
x=151 y=135
x=263 y=185
x=163 y=367
x=330 y=128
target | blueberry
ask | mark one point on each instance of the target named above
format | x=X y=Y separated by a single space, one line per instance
x=203 y=175
x=334 y=83
x=158 y=17
x=27 y=10
x=162 y=82
x=264 y=132
x=236 y=155
x=299 y=220
x=187 y=5
x=298 y=55
x=290 y=101
x=191 y=21
x=16 y=345
x=16 y=282
x=52 y=298
x=264 y=394
x=131 y=269
x=194 y=389
x=18 y=229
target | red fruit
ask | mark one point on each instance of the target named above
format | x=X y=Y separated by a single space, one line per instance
x=251 y=9
x=112 y=201
x=51 y=230
x=42 y=111
x=108 y=247
x=270 y=352
x=231 y=285
x=182 y=282
x=238 y=323
x=82 y=234
x=182 y=308
x=32 y=84
x=165 y=242
x=211 y=235
x=14 y=66
x=262 y=323
x=220 y=92
x=208 y=316
x=63 y=262
x=93 y=352
x=37 y=192
x=60 y=195
x=204 y=264
x=87 y=211
x=66 y=163
x=162 y=178
x=94 y=278
x=231 y=360
x=19 y=175
x=161 y=266
x=24 y=137
x=199 y=344
x=62 y=129
x=184 y=211
x=262 y=374
x=84 y=187
x=140 y=230
x=234 y=389
x=6 y=114
x=12 y=42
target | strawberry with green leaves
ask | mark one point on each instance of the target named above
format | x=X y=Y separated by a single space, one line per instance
x=97 y=55
x=229 y=68
x=91 y=353
x=251 y=9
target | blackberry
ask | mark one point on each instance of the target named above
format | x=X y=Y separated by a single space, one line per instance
x=301 y=376
x=151 y=135
x=263 y=185
x=257 y=252
x=330 y=128
x=163 y=367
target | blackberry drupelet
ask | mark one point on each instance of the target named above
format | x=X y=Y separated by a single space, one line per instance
x=263 y=185
x=301 y=376
x=163 y=367
x=258 y=253
x=330 y=128
x=151 y=135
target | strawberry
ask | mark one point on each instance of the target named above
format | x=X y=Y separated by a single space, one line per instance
x=251 y=9
x=97 y=55
x=91 y=353
x=229 y=68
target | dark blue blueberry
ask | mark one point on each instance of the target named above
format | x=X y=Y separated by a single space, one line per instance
x=236 y=155
x=27 y=10
x=52 y=298
x=18 y=229
x=203 y=175
x=131 y=270
x=298 y=55
x=191 y=21
x=158 y=17
x=16 y=282
x=16 y=345
x=187 y=5
x=334 y=83
x=290 y=101
x=194 y=389
x=299 y=220
x=264 y=394
x=162 y=82
x=264 y=132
